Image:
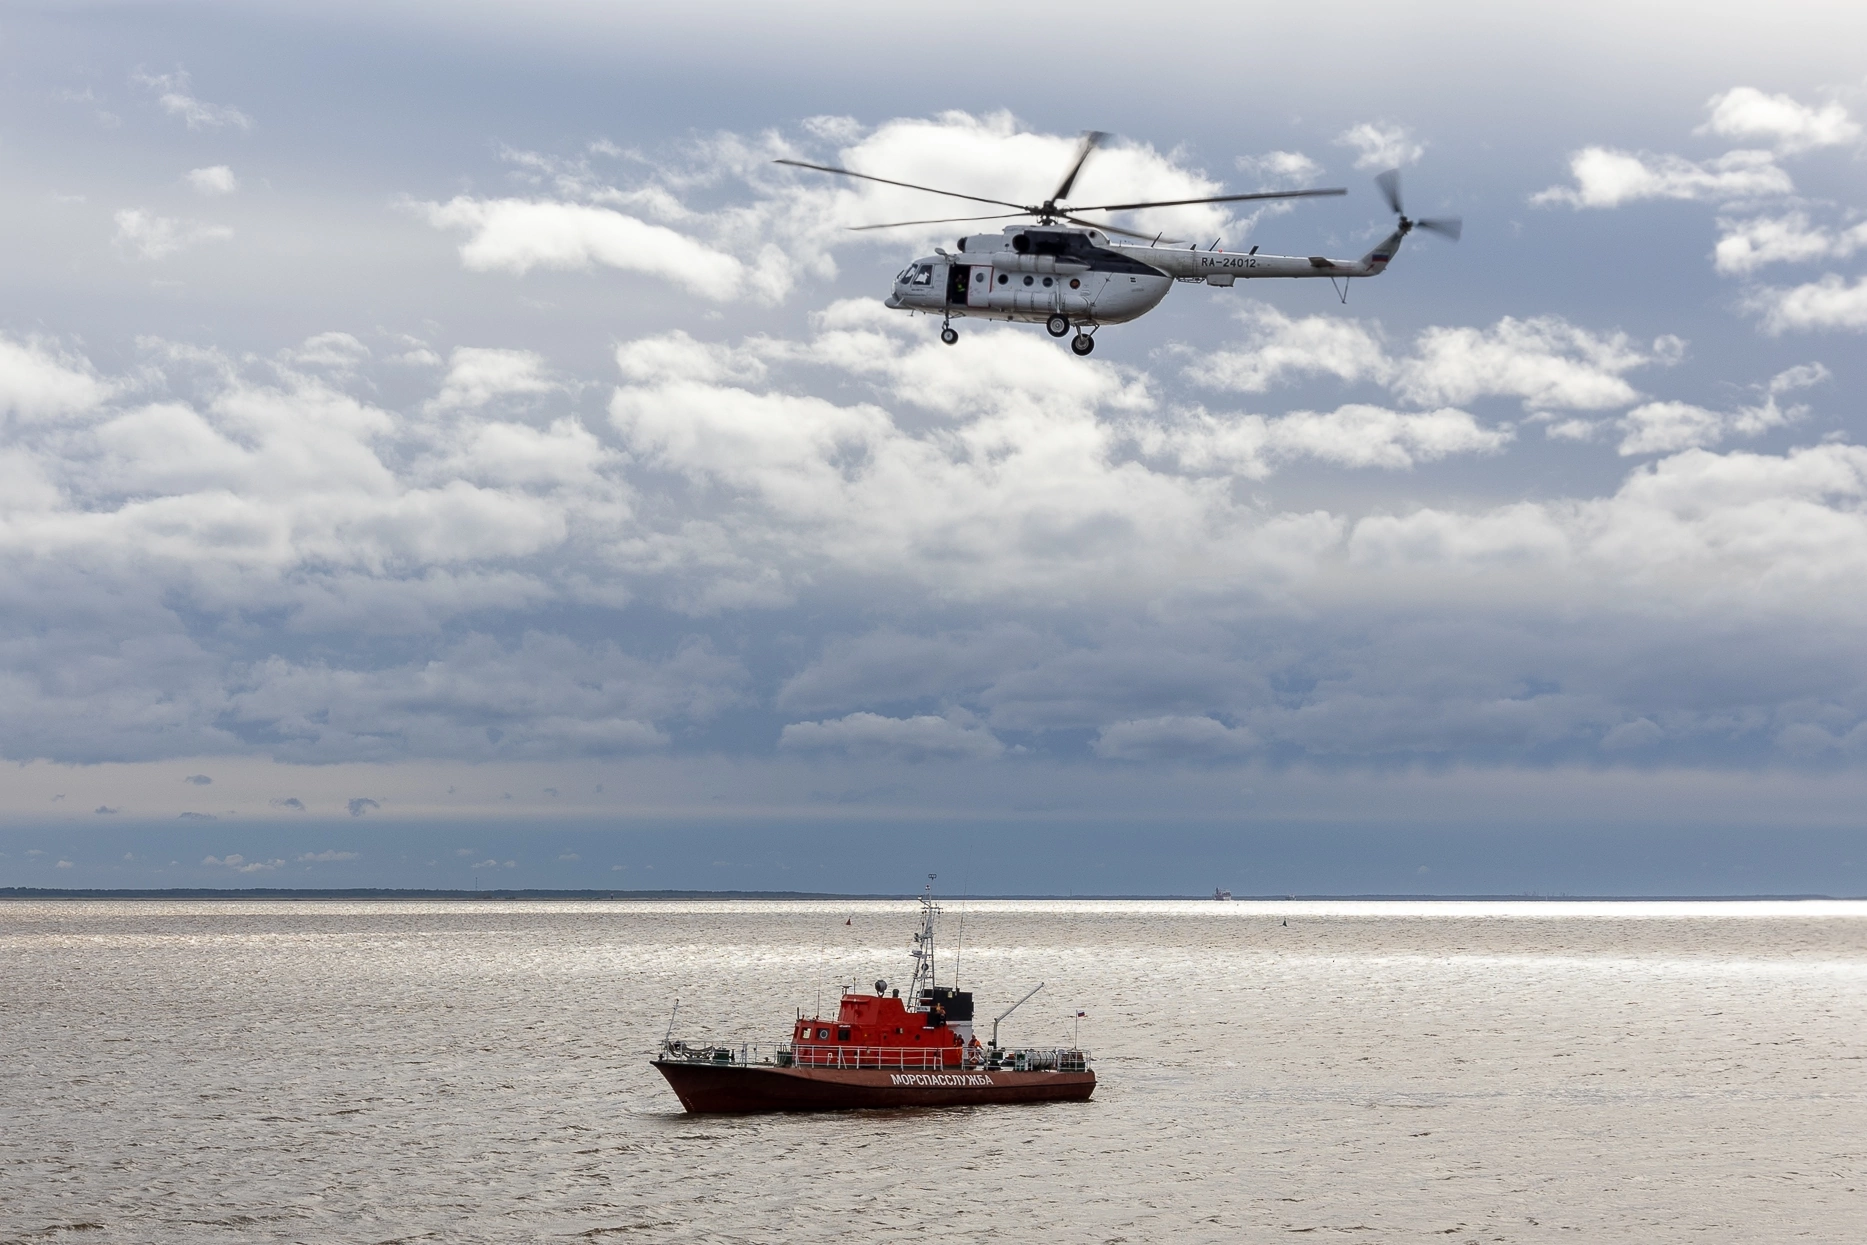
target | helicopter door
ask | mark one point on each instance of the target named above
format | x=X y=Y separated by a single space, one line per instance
x=957 y=288
x=979 y=290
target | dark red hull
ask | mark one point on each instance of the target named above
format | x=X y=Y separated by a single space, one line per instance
x=705 y=1087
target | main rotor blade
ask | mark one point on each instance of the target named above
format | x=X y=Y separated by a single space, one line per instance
x=1126 y=233
x=1263 y=194
x=944 y=220
x=886 y=181
x=1090 y=141
x=1389 y=182
x=1449 y=226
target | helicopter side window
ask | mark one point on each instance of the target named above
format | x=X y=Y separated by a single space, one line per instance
x=923 y=274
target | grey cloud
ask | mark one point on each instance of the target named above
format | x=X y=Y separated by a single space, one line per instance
x=362 y=804
x=540 y=696
x=1174 y=739
x=730 y=497
x=198 y=780
x=888 y=666
x=862 y=544
x=872 y=736
x=337 y=352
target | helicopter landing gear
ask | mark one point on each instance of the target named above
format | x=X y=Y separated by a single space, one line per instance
x=949 y=334
x=1082 y=344
x=1057 y=326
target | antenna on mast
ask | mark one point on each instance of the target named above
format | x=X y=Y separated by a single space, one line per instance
x=923 y=952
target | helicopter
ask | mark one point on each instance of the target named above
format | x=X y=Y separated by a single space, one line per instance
x=1065 y=273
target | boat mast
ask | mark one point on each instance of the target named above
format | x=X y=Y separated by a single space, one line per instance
x=923 y=952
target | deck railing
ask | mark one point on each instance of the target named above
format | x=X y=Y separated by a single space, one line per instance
x=839 y=1056
x=904 y=1058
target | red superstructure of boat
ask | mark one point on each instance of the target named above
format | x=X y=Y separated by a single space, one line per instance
x=879 y=1052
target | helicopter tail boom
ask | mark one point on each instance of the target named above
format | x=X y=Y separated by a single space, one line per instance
x=1376 y=261
x=1217 y=267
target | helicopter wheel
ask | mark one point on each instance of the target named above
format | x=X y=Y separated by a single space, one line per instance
x=1057 y=326
x=1082 y=343
x=949 y=335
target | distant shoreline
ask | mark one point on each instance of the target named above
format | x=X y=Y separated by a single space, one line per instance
x=409 y=893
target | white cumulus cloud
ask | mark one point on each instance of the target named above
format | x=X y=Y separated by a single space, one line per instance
x=1277 y=347
x=784 y=225
x=175 y=93
x=477 y=375
x=1280 y=170
x=1606 y=178
x=517 y=235
x=1356 y=436
x=38 y=382
x=1381 y=144
x=240 y=864
x=216 y=179
x=150 y=236
x=1546 y=361
x=1746 y=114
x=1747 y=245
x=1668 y=427
x=1829 y=303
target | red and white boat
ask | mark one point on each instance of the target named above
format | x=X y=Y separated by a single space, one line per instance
x=880 y=1051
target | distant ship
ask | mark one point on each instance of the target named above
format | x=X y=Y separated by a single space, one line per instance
x=879 y=1052
x=1219 y=894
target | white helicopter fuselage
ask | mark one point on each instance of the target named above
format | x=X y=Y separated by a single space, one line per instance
x=991 y=279
x=1035 y=273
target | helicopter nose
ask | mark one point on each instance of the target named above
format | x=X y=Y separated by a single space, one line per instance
x=894 y=301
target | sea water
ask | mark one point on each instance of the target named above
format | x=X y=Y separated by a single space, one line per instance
x=477 y=1071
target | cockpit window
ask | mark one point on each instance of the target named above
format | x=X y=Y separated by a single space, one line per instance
x=923 y=274
x=905 y=275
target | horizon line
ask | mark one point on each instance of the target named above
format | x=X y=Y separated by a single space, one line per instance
x=543 y=893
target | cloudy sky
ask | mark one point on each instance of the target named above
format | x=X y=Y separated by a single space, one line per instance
x=438 y=443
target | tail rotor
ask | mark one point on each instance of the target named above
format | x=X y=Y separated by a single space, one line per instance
x=1445 y=226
